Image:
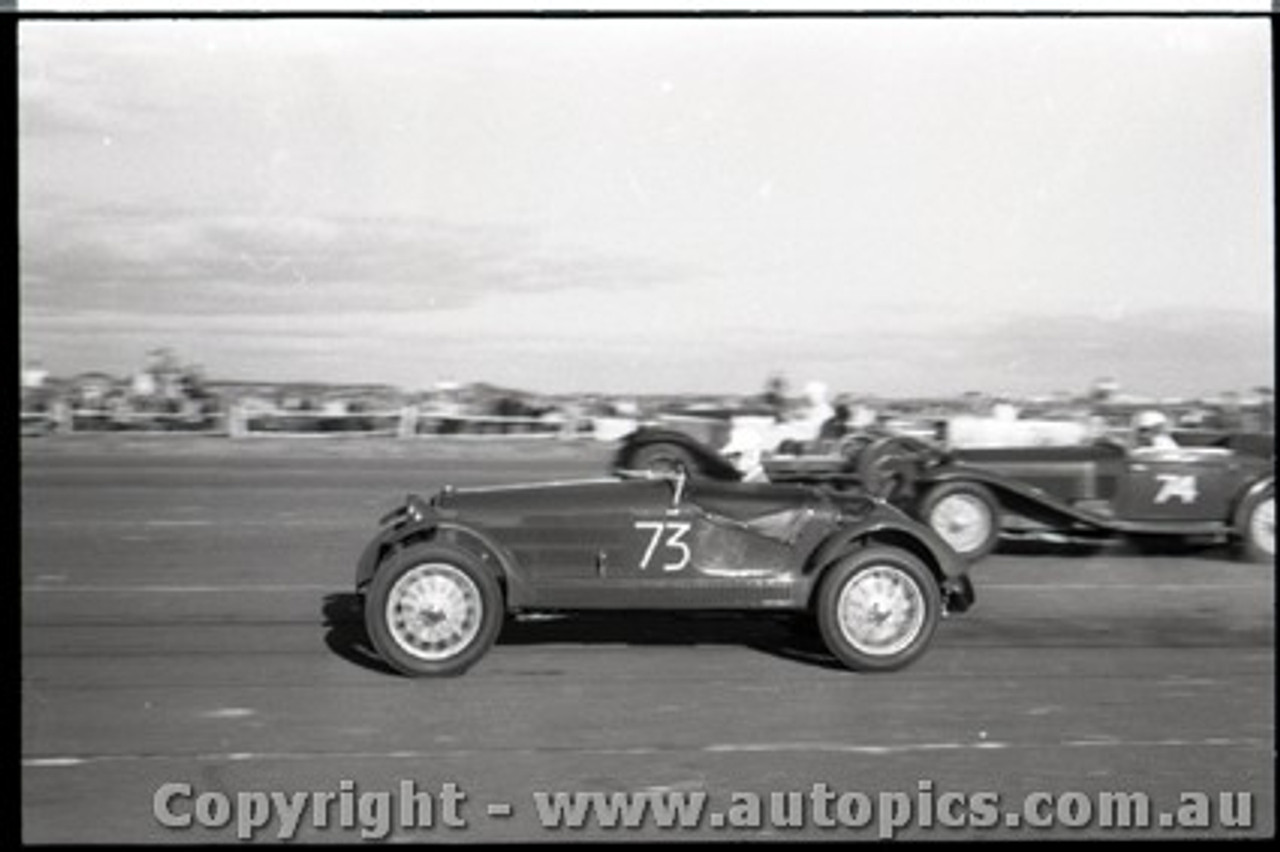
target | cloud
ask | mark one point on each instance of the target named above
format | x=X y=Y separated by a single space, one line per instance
x=61 y=92
x=1163 y=351
x=130 y=260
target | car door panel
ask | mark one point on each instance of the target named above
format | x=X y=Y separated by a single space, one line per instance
x=683 y=557
x=1177 y=485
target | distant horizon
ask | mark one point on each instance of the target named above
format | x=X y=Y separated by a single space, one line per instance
x=795 y=389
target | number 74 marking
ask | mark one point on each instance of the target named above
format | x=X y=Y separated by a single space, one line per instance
x=1176 y=485
x=675 y=531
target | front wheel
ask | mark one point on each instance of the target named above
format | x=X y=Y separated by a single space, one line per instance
x=433 y=611
x=878 y=608
x=1258 y=527
x=965 y=515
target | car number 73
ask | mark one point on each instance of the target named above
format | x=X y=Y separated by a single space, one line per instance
x=671 y=536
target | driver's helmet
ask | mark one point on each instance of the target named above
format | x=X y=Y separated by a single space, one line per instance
x=1147 y=424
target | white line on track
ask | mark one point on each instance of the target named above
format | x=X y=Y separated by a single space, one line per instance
x=177 y=523
x=169 y=588
x=61 y=761
x=1155 y=587
x=80 y=523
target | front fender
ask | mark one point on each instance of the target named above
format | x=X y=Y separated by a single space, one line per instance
x=1013 y=495
x=432 y=527
x=1238 y=519
x=890 y=526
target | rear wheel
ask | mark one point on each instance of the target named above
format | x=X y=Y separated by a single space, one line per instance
x=1258 y=527
x=965 y=515
x=665 y=457
x=433 y=610
x=878 y=608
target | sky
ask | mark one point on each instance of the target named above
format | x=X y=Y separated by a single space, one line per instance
x=896 y=206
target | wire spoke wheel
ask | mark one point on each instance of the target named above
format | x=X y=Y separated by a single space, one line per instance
x=965 y=515
x=877 y=608
x=881 y=611
x=963 y=521
x=434 y=611
x=1262 y=527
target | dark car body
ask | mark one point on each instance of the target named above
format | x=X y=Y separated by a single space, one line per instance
x=658 y=542
x=1084 y=493
x=1218 y=488
x=697 y=451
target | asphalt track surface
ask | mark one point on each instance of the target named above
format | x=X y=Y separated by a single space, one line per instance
x=187 y=617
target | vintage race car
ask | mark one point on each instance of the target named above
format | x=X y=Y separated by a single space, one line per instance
x=439 y=578
x=1220 y=490
x=1088 y=493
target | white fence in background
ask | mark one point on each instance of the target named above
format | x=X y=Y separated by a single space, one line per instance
x=251 y=423
x=39 y=423
x=66 y=420
x=409 y=422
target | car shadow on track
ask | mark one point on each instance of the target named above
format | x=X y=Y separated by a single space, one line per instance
x=789 y=638
x=345 y=635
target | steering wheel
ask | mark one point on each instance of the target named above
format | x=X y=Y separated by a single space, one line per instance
x=851 y=446
x=891 y=462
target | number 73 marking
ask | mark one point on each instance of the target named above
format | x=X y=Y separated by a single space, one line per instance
x=674 y=531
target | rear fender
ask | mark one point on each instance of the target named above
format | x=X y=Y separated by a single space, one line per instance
x=711 y=462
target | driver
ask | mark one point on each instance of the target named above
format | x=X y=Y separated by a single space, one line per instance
x=747 y=444
x=838 y=424
x=1151 y=429
x=806 y=423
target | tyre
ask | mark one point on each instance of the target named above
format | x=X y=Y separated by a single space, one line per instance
x=433 y=610
x=665 y=457
x=877 y=609
x=1258 y=527
x=965 y=515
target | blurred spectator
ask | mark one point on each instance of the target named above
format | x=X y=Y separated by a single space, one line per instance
x=775 y=395
x=143 y=384
x=1231 y=415
x=90 y=390
x=36 y=394
x=34 y=376
x=1266 y=409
